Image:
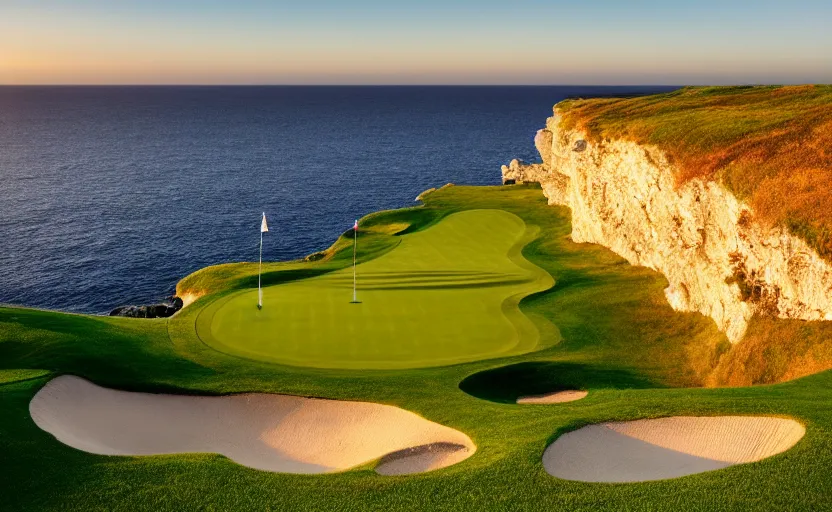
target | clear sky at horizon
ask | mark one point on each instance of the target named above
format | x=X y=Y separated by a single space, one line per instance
x=426 y=42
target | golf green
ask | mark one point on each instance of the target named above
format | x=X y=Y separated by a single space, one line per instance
x=444 y=295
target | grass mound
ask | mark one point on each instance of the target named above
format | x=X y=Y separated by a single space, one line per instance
x=7 y=376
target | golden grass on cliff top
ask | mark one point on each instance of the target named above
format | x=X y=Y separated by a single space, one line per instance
x=771 y=146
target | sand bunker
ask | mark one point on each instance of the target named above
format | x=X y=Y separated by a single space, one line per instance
x=263 y=431
x=557 y=397
x=424 y=458
x=667 y=447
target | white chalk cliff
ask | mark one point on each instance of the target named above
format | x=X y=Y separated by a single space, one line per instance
x=717 y=258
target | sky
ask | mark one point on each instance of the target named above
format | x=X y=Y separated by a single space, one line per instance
x=533 y=42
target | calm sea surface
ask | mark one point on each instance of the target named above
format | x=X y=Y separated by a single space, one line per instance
x=110 y=195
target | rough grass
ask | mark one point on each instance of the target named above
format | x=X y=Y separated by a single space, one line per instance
x=775 y=350
x=771 y=146
x=614 y=335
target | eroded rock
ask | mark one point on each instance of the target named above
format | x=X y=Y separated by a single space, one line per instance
x=718 y=260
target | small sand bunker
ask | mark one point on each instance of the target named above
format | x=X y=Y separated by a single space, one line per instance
x=420 y=459
x=263 y=431
x=557 y=397
x=635 y=451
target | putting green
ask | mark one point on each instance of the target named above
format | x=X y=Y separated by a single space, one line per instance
x=445 y=295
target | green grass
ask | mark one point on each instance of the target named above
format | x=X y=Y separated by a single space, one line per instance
x=444 y=295
x=610 y=331
x=7 y=376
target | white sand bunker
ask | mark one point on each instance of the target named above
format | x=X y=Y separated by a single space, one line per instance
x=557 y=397
x=643 y=450
x=263 y=431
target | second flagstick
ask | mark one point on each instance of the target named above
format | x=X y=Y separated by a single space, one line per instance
x=354 y=275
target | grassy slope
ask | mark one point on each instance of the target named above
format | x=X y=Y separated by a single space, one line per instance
x=620 y=340
x=376 y=240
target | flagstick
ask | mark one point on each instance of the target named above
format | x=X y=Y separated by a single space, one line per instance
x=354 y=245
x=260 y=271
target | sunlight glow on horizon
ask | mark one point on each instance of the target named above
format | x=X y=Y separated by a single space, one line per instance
x=527 y=42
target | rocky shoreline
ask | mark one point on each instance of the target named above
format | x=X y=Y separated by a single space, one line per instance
x=164 y=309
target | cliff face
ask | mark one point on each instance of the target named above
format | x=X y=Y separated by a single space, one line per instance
x=717 y=259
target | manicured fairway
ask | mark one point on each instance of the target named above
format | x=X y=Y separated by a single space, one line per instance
x=444 y=295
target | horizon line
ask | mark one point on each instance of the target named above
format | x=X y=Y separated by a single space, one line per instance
x=400 y=85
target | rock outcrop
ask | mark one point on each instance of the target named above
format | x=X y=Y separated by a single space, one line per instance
x=718 y=260
x=162 y=310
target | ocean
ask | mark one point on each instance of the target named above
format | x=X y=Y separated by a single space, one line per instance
x=110 y=195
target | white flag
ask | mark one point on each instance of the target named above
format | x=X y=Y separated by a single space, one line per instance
x=263 y=226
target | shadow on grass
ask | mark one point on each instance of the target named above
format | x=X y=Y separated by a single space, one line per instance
x=283 y=276
x=99 y=348
x=507 y=383
x=429 y=280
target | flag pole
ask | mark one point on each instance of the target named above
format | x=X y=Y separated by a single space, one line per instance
x=354 y=245
x=259 y=272
x=260 y=268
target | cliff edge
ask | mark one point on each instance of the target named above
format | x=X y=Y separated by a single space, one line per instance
x=645 y=199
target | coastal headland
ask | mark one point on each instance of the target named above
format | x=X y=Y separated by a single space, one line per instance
x=510 y=341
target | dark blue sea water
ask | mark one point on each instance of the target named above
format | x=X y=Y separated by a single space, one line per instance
x=109 y=195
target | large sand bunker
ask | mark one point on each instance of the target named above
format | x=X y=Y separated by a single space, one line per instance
x=667 y=447
x=264 y=431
